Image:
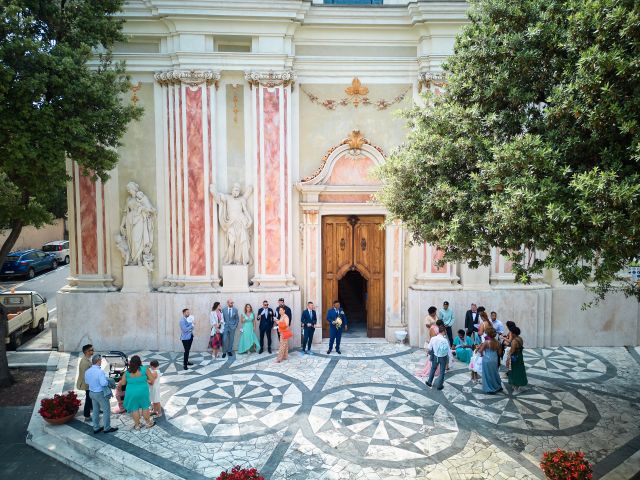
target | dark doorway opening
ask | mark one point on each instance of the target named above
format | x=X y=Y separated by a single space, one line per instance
x=352 y=294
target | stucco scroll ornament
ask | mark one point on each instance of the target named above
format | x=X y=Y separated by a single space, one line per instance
x=192 y=78
x=235 y=220
x=270 y=79
x=136 y=229
x=429 y=79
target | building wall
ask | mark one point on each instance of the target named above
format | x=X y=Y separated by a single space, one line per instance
x=32 y=237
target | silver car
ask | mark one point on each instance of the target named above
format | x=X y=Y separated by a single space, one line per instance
x=59 y=249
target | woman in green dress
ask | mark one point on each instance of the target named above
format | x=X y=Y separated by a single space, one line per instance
x=248 y=337
x=137 y=380
x=517 y=374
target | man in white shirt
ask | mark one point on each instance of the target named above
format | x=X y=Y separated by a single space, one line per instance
x=440 y=352
x=497 y=324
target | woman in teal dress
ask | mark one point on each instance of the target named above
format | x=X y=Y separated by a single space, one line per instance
x=137 y=380
x=248 y=337
x=490 y=351
x=463 y=346
x=517 y=375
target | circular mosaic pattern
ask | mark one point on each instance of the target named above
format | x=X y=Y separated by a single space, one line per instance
x=564 y=363
x=537 y=409
x=382 y=424
x=233 y=405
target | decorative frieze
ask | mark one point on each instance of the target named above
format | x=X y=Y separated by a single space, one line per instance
x=270 y=79
x=188 y=77
x=357 y=94
x=431 y=79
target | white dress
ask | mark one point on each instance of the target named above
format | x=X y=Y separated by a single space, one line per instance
x=154 y=390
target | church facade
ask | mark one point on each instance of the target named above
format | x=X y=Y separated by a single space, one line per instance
x=251 y=176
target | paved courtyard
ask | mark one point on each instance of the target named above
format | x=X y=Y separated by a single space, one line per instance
x=362 y=415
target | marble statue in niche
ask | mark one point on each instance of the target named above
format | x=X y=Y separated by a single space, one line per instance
x=236 y=223
x=136 y=229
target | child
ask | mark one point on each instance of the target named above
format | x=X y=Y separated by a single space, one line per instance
x=475 y=364
x=463 y=346
x=154 y=390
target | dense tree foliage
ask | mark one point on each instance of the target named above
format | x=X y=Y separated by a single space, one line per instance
x=54 y=104
x=534 y=147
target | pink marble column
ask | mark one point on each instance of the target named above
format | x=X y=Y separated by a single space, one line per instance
x=88 y=225
x=271 y=96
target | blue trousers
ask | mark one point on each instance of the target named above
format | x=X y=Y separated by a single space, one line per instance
x=435 y=361
x=335 y=334
x=307 y=338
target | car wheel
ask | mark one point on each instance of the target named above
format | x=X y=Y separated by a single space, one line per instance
x=40 y=327
x=15 y=340
x=54 y=264
x=31 y=273
x=66 y=260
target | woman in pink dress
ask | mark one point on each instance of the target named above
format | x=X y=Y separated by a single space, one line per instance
x=433 y=322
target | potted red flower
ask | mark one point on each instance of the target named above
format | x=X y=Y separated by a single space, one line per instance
x=563 y=465
x=59 y=409
x=238 y=473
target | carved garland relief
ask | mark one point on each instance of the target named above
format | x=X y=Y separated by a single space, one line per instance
x=356 y=96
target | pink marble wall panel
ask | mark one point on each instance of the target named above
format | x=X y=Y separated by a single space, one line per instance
x=170 y=139
x=104 y=233
x=348 y=198
x=180 y=176
x=88 y=226
x=436 y=256
x=286 y=182
x=348 y=170
x=259 y=187
x=273 y=172
x=212 y=203
x=195 y=167
x=76 y=223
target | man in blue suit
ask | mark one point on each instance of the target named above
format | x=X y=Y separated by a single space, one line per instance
x=335 y=327
x=308 y=321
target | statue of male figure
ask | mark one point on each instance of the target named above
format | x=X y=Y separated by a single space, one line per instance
x=235 y=221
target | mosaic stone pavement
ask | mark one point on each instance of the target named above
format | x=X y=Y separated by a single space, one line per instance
x=366 y=415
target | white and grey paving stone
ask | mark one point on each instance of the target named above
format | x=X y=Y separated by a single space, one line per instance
x=365 y=415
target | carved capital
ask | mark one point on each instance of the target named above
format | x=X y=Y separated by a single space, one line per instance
x=270 y=79
x=428 y=79
x=188 y=77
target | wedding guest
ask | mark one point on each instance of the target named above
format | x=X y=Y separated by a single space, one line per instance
x=137 y=380
x=217 y=328
x=154 y=389
x=497 y=324
x=285 y=335
x=490 y=351
x=446 y=315
x=97 y=381
x=463 y=346
x=309 y=320
x=231 y=320
x=186 y=336
x=287 y=312
x=518 y=374
x=248 y=338
x=432 y=331
x=337 y=322
x=440 y=352
x=485 y=323
x=266 y=316
x=472 y=319
x=85 y=364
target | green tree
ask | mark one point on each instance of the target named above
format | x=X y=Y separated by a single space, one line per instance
x=534 y=147
x=60 y=98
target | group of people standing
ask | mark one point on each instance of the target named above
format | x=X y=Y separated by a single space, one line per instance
x=484 y=344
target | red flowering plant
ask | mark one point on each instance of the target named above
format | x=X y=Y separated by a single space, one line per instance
x=238 y=473
x=59 y=406
x=563 y=465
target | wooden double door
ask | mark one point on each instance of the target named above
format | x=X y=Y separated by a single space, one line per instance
x=354 y=243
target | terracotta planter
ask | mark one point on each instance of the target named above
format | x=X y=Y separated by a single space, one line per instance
x=59 y=421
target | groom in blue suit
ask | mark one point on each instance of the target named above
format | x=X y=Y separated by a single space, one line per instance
x=335 y=331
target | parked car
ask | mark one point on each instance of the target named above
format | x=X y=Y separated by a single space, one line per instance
x=25 y=311
x=27 y=263
x=59 y=248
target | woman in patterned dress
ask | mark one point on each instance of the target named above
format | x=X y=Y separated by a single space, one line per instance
x=216 y=320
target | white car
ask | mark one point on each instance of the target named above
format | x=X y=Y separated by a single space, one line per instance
x=59 y=249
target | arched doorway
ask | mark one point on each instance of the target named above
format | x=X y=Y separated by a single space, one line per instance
x=352 y=294
x=353 y=263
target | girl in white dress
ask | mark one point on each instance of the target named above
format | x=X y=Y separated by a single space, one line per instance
x=154 y=390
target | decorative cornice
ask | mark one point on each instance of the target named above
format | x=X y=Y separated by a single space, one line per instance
x=355 y=141
x=270 y=79
x=189 y=77
x=429 y=79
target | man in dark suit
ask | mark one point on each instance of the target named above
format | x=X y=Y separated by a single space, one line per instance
x=335 y=327
x=265 y=315
x=308 y=321
x=287 y=312
x=472 y=319
x=231 y=320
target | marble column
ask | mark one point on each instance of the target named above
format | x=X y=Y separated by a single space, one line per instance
x=188 y=236
x=311 y=262
x=501 y=269
x=394 y=288
x=90 y=204
x=271 y=132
